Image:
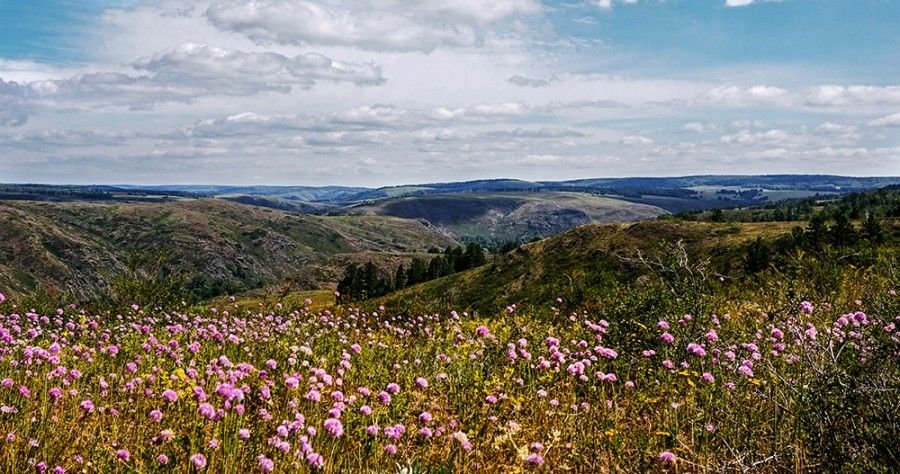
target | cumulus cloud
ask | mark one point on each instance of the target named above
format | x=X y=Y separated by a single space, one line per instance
x=222 y=68
x=12 y=110
x=755 y=95
x=636 y=140
x=458 y=88
x=836 y=95
x=381 y=25
x=887 y=121
x=188 y=72
x=528 y=81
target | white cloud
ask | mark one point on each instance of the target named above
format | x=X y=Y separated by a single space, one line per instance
x=208 y=65
x=380 y=25
x=740 y=96
x=836 y=95
x=608 y=4
x=524 y=81
x=744 y=3
x=696 y=127
x=887 y=121
x=185 y=73
x=636 y=140
x=13 y=111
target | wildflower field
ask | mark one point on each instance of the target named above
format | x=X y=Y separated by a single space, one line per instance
x=228 y=390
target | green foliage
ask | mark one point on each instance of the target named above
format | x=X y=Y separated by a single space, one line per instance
x=371 y=281
x=150 y=281
x=757 y=257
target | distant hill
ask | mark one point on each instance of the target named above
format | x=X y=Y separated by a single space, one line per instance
x=211 y=245
x=491 y=217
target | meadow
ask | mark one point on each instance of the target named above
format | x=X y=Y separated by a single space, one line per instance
x=730 y=388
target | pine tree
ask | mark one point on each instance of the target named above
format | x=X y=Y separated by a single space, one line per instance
x=417 y=271
x=817 y=232
x=757 y=257
x=474 y=256
x=842 y=232
x=400 y=277
x=872 y=229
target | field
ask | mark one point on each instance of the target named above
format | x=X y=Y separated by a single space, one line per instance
x=702 y=376
x=670 y=345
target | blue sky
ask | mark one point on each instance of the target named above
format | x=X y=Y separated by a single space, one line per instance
x=387 y=91
x=52 y=31
x=838 y=37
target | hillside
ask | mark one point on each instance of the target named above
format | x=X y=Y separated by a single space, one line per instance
x=510 y=216
x=589 y=262
x=211 y=246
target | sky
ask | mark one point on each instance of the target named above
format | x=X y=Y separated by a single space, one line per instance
x=385 y=92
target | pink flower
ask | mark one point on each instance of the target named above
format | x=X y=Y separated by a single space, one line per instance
x=162 y=459
x=198 y=460
x=667 y=456
x=534 y=459
x=156 y=415
x=123 y=454
x=2 y=298
x=421 y=382
x=393 y=388
x=244 y=433
x=170 y=396
x=87 y=406
x=708 y=377
x=390 y=449
x=384 y=398
x=334 y=427
x=482 y=331
x=667 y=338
x=265 y=464
x=207 y=411
x=55 y=394
x=696 y=349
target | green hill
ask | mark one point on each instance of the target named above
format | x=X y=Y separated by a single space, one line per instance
x=206 y=246
x=591 y=263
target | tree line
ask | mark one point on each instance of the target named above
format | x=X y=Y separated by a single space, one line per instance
x=822 y=232
x=366 y=281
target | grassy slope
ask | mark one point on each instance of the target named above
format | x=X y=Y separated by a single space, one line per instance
x=580 y=261
x=511 y=215
x=80 y=247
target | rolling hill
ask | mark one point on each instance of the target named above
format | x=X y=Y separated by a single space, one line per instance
x=589 y=261
x=212 y=246
x=509 y=216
